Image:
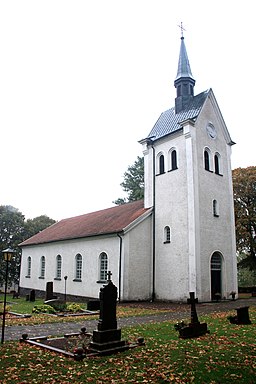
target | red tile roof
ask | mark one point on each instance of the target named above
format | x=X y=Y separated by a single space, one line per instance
x=107 y=221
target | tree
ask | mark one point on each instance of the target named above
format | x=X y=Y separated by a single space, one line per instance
x=11 y=234
x=13 y=230
x=244 y=185
x=33 y=226
x=133 y=182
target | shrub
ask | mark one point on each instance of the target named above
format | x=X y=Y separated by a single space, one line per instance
x=44 y=308
x=59 y=306
x=74 y=307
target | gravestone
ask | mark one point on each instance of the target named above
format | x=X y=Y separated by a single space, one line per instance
x=195 y=328
x=93 y=305
x=107 y=338
x=49 y=291
x=242 y=316
x=32 y=295
x=15 y=295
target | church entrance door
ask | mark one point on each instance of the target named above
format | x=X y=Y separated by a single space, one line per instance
x=216 y=283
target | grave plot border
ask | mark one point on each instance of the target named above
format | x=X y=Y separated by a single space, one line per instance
x=80 y=354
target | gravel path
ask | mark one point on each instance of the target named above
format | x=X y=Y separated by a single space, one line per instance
x=175 y=312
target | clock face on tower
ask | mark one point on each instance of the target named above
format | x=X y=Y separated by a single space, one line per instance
x=211 y=130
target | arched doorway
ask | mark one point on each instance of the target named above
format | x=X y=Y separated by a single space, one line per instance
x=216 y=264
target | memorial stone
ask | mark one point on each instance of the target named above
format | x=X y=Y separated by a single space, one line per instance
x=32 y=295
x=242 y=316
x=195 y=328
x=107 y=338
x=49 y=291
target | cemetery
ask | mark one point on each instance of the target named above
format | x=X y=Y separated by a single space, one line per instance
x=104 y=341
x=217 y=347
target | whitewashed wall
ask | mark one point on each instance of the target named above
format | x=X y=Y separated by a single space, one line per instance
x=171 y=279
x=217 y=234
x=137 y=262
x=136 y=250
x=89 y=250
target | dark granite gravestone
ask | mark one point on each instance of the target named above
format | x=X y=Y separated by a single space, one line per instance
x=195 y=328
x=49 y=291
x=242 y=316
x=93 y=305
x=32 y=295
x=107 y=338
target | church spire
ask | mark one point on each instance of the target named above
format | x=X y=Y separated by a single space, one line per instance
x=184 y=82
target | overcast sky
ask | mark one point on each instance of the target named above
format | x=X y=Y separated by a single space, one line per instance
x=82 y=81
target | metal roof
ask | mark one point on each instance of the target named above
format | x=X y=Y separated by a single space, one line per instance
x=169 y=121
x=184 y=69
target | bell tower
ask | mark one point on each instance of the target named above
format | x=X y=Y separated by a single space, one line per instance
x=188 y=182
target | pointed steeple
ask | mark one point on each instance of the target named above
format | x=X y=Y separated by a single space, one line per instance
x=184 y=82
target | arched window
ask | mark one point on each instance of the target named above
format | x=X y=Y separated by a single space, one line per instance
x=29 y=266
x=58 y=267
x=217 y=163
x=42 y=267
x=206 y=160
x=161 y=164
x=174 y=160
x=103 y=266
x=78 y=267
x=215 y=208
x=167 y=235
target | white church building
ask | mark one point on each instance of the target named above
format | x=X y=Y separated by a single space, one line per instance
x=181 y=238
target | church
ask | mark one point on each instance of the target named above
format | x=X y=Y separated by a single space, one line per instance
x=180 y=238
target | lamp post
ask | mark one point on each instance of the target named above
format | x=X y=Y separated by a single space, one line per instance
x=65 y=296
x=8 y=253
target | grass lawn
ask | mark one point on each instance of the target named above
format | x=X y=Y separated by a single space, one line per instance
x=227 y=354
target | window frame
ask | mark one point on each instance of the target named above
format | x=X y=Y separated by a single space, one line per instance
x=161 y=164
x=217 y=164
x=28 y=267
x=78 y=267
x=167 y=234
x=215 y=208
x=42 y=267
x=103 y=267
x=216 y=262
x=207 y=159
x=173 y=159
x=58 y=267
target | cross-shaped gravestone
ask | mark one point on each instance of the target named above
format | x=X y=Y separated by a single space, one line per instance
x=195 y=328
x=109 y=274
x=193 y=301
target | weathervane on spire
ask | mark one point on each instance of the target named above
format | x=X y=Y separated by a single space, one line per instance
x=181 y=28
